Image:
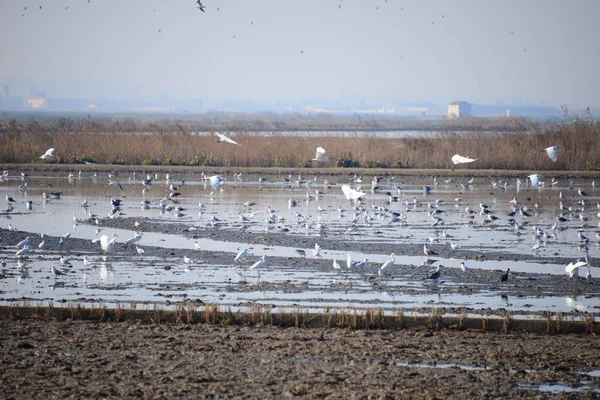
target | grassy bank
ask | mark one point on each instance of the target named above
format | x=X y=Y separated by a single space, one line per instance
x=258 y=315
x=167 y=144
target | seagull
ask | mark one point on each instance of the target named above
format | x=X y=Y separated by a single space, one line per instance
x=504 y=276
x=199 y=6
x=436 y=274
x=320 y=157
x=223 y=138
x=23 y=251
x=551 y=151
x=581 y=192
x=48 y=155
x=301 y=252
x=117 y=184
x=10 y=199
x=57 y=272
x=428 y=251
x=458 y=159
x=463 y=267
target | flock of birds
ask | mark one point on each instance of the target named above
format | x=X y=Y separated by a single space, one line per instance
x=363 y=216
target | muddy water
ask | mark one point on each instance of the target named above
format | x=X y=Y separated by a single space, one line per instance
x=487 y=246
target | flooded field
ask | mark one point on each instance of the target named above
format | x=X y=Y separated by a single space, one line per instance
x=190 y=234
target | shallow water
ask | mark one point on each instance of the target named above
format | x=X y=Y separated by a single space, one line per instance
x=295 y=283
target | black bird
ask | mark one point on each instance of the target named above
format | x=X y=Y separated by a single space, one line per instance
x=200 y=6
x=504 y=276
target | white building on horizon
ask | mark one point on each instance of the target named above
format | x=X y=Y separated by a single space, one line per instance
x=459 y=109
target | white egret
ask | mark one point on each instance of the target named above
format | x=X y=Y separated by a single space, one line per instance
x=551 y=151
x=223 y=138
x=23 y=251
x=242 y=255
x=316 y=250
x=573 y=268
x=352 y=194
x=23 y=242
x=383 y=270
x=535 y=180
x=48 y=155
x=259 y=265
x=458 y=159
x=108 y=244
x=320 y=156
x=134 y=239
x=215 y=181
x=336 y=265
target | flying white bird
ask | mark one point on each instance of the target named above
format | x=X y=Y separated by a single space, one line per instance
x=223 y=138
x=573 y=268
x=215 y=181
x=48 y=155
x=535 y=180
x=458 y=159
x=108 y=244
x=551 y=151
x=352 y=194
x=321 y=157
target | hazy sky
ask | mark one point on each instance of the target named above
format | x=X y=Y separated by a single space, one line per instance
x=543 y=51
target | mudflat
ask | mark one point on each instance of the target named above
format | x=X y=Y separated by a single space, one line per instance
x=92 y=360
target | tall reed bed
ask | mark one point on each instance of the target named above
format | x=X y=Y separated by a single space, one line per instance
x=124 y=142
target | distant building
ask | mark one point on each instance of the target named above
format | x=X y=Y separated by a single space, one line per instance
x=5 y=94
x=508 y=112
x=36 y=102
x=459 y=109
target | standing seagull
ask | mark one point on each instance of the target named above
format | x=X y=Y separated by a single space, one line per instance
x=223 y=138
x=436 y=274
x=428 y=251
x=199 y=6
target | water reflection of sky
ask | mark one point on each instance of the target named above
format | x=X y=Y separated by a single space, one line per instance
x=140 y=281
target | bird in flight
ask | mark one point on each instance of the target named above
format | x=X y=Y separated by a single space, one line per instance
x=223 y=138
x=199 y=5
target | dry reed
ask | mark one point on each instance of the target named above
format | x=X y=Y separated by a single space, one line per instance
x=135 y=143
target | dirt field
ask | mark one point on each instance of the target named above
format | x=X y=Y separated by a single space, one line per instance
x=79 y=359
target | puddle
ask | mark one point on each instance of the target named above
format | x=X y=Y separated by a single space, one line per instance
x=555 y=388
